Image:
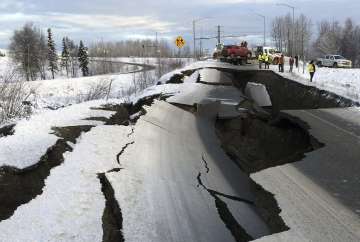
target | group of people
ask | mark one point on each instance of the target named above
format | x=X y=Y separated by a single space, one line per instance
x=266 y=59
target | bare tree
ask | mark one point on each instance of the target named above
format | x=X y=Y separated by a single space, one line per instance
x=329 y=39
x=303 y=32
x=140 y=48
x=13 y=97
x=281 y=33
x=26 y=48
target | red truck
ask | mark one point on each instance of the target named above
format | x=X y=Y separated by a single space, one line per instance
x=235 y=54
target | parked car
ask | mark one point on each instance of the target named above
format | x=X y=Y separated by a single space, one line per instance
x=334 y=61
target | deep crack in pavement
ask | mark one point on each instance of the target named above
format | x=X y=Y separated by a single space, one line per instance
x=20 y=186
x=123 y=150
x=112 y=217
x=238 y=232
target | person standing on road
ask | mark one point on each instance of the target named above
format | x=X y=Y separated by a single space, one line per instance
x=297 y=61
x=312 y=70
x=281 y=63
x=291 y=62
x=266 y=60
x=260 y=59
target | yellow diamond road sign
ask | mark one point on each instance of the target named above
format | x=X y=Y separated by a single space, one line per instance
x=180 y=42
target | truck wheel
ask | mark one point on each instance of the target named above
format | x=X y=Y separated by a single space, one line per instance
x=335 y=65
x=319 y=64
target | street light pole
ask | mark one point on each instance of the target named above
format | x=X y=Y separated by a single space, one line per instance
x=194 y=32
x=262 y=16
x=293 y=25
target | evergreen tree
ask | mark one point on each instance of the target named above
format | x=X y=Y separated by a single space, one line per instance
x=83 y=59
x=65 y=56
x=52 y=56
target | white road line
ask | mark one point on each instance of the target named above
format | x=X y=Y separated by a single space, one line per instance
x=332 y=125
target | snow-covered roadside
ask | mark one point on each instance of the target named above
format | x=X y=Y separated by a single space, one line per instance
x=4 y=65
x=344 y=82
x=34 y=136
x=72 y=204
x=57 y=93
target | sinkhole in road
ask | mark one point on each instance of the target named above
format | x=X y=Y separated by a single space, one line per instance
x=20 y=186
x=256 y=143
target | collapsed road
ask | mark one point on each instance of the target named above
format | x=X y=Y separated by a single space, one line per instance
x=226 y=155
x=189 y=189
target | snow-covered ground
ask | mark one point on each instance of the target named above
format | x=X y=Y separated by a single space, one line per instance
x=57 y=93
x=72 y=204
x=151 y=60
x=34 y=136
x=61 y=92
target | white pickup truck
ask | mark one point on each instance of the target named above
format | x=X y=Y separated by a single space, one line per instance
x=334 y=61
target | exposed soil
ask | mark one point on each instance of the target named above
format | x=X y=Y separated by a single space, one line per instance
x=179 y=78
x=7 y=130
x=255 y=144
x=268 y=209
x=238 y=232
x=112 y=217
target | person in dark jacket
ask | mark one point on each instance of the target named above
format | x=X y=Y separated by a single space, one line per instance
x=260 y=59
x=291 y=62
x=312 y=70
x=297 y=61
x=281 y=63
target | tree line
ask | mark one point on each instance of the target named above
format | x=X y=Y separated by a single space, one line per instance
x=36 y=55
x=335 y=38
x=284 y=31
x=138 y=48
x=331 y=37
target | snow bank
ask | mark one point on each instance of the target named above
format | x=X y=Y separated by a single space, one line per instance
x=72 y=204
x=62 y=92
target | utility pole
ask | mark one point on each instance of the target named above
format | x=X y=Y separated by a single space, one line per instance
x=219 y=34
x=158 y=54
x=194 y=35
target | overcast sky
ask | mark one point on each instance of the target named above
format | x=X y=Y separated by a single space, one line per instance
x=93 y=20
